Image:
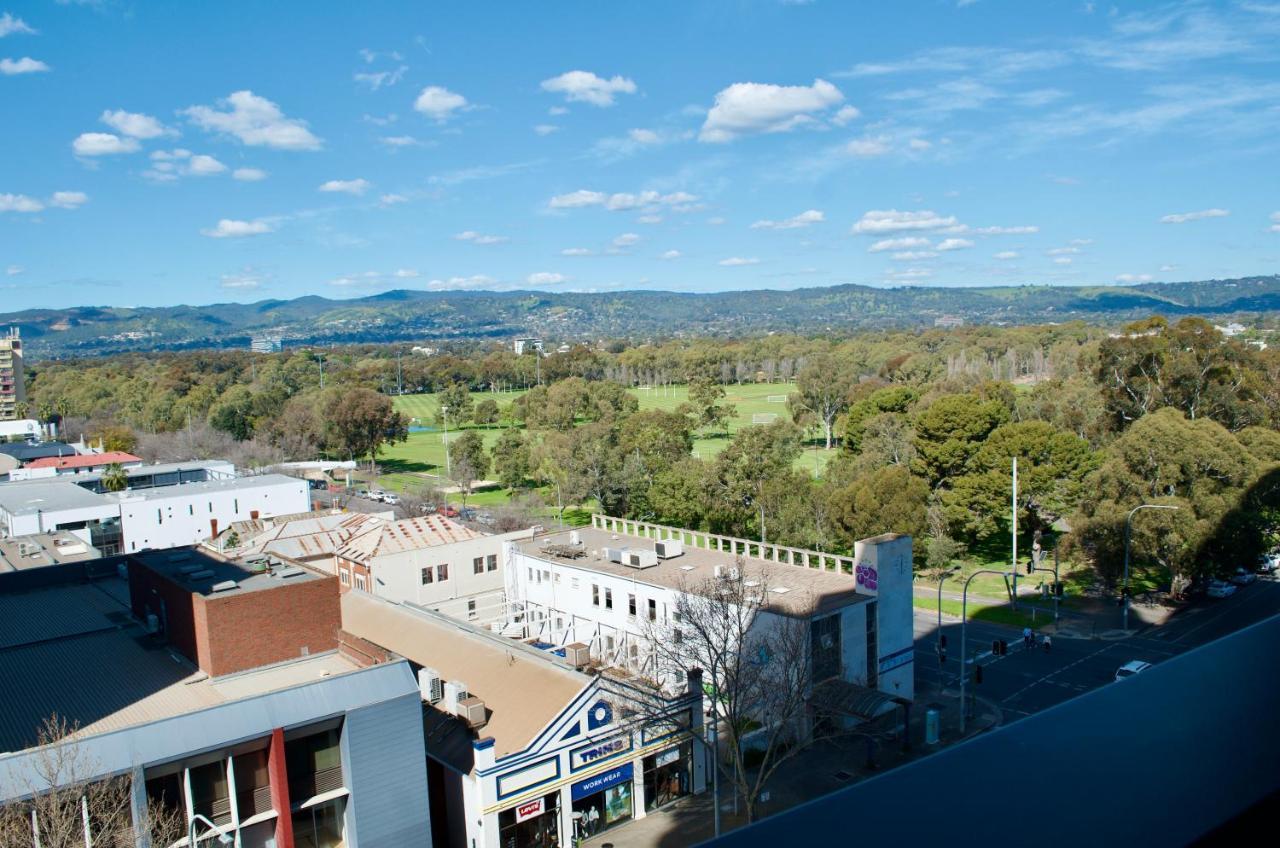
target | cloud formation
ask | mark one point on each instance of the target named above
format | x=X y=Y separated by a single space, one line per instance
x=1185 y=217
x=356 y=186
x=254 y=121
x=25 y=65
x=103 y=144
x=804 y=219
x=887 y=221
x=439 y=103
x=747 y=108
x=738 y=261
x=586 y=87
x=135 y=125
x=230 y=228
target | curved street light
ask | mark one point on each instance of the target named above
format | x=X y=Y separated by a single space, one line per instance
x=1124 y=589
x=224 y=838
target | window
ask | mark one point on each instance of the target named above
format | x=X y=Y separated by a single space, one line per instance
x=546 y=575
x=159 y=517
x=678 y=636
x=608 y=599
x=557 y=577
x=653 y=610
x=236 y=502
x=608 y=644
x=493 y=562
x=530 y=575
x=191 y=510
x=631 y=605
x=320 y=826
x=477 y=565
x=573 y=582
x=471 y=609
x=442 y=572
x=360 y=582
x=253 y=787
x=314 y=765
x=428 y=576
x=345 y=577
x=210 y=791
x=824 y=647
x=595 y=594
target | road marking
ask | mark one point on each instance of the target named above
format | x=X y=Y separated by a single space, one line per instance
x=1046 y=677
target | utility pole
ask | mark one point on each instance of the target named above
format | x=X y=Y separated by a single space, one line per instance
x=1013 y=603
x=321 y=356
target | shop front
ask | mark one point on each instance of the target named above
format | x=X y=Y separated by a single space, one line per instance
x=668 y=775
x=602 y=801
x=533 y=824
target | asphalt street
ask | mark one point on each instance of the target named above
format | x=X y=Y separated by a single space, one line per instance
x=1027 y=681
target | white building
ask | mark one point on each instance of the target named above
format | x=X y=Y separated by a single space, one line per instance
x=432 y=562
x=523 y=345
x=524 y=749
x=602 y=585
x=164 y=506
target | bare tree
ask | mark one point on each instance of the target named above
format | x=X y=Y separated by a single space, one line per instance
x=752 y=649
x=67 y=805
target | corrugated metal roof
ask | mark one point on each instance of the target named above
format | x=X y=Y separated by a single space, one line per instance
x=409 y=534
x=89 y=460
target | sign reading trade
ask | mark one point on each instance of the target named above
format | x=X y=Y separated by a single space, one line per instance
x=601 y=782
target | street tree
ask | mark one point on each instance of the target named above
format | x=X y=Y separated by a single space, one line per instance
x=468 y=460
x=889 y=499
x=822 y=390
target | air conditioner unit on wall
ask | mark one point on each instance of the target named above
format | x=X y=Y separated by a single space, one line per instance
x=577 y=654
x=472 y=711
x=455 y=692
x=431 y=685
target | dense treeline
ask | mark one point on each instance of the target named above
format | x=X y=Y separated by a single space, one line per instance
x=927 y=424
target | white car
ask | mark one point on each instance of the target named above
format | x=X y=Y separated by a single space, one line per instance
x=1269 y=563
x=390 y=499
x=1131 y=668
x=1243 y=577
x=1220 y=589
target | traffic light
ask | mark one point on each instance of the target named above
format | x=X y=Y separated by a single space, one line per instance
x=1058 y=588
x=995 y=647
x=942 y=658
x=1031 y=567
x=977 y=674
x=942 y=641
x=1004 y=648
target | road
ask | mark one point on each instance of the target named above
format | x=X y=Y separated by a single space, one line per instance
x=1025 y=682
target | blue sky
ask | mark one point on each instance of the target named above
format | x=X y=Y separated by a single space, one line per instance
x=154 y=153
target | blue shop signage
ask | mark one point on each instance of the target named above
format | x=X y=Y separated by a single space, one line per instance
x=596 y=752
x=601 y=782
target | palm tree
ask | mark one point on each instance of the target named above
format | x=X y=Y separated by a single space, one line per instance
x=114 y=478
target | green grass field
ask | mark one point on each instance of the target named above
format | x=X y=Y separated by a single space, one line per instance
x=421 y=459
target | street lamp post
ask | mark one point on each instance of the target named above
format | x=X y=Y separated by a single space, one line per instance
x=223 y=837
x=964 y=621
x=1124 y=590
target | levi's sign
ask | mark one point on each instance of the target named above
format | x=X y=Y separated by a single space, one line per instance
x=580 y=758
x=524 y=812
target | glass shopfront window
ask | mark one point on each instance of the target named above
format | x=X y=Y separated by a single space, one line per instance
x=533 y=824
x=602 y=801
x=320 y=826
x=667 y=776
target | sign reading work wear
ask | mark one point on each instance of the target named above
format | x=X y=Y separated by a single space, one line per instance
x=601 y=782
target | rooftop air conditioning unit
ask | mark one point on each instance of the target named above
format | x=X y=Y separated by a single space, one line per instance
x=472 y=711
x=431 y=685
x=455 y=692
x=615 y=554
x=575 y=538
x=225 y=586
x=719 y=571
x=668 y=548
x=577 y=654
x=642 y=559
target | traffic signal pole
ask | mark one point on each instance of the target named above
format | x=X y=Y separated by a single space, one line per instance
x=964 y=633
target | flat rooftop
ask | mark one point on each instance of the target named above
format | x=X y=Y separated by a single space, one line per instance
x=793 y=589
x=41 y=549
x=200 y=572
x=75 y=651
x=26 y=497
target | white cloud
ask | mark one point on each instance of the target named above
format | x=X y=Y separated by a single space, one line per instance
x=1007 y=254
x=845 y=115
x=545 y=129
x=804 y=219
x=886 y=221
x=376 y=80
x=919 y=144
x=68 y=199
x=716 y=221
x=203 y=166
x=392 y=199
x=356 y=186
x=1275 y=223
x=911 y=274
x=954 y=244
x=622 y=201
x=255 y=121
x=14 y=270
x=1062 y=260
x=9 y=25
x=1006 y=231
x=904 y=243
x=745 y=108
x=399 y=140
x=644 y=136
x=649 y=219
x=1062 y=251
x=1184 y=217
x=480 y=238
x=439 y=103
x=249 y=175
x=586 y=87
x=475 y=281
x=575 y=251
x=671 y=254
x=135 y=125
x=19 y=203
x=868 y=146
x=1133 y=278
x=406 y=273
x=626 y=240
x=546 y=278
x=103 y=144
x=240 y=281
x=1167 y=268
x=914 y=255
x=1082 y=241
x=25 y=65
x=738 y=261
x=228 y=228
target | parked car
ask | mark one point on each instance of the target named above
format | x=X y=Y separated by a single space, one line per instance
x=390 y=498
x=1243 y=577
x=377 y=495
x=467 y=514
x=1220 y=589
x=1131 y=668
x=427 y=508
x=362 y=493
x=1268 y=563
x=449 y=511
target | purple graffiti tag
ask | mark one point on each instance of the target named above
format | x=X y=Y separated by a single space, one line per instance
x=867 y=576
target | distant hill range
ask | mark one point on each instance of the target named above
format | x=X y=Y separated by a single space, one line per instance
x=423 y=316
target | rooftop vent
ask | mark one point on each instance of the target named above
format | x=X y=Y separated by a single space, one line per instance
x=200 y=575
x=180 y=556
x=225 y=586
x=291 y=571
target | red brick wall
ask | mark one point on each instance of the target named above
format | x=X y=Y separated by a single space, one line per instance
x=253 y=629
x=181 y=614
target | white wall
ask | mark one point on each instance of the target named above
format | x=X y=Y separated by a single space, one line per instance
x=22 y=525
x=891 y=559
x=182 y=514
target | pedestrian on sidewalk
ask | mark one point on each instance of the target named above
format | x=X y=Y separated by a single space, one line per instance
x=1048 y=643
x=1026 y=638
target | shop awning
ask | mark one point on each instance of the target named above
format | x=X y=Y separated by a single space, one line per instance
x=840 y=697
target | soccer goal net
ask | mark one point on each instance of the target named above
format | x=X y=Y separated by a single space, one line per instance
x=777 y=398
x=763 y=417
